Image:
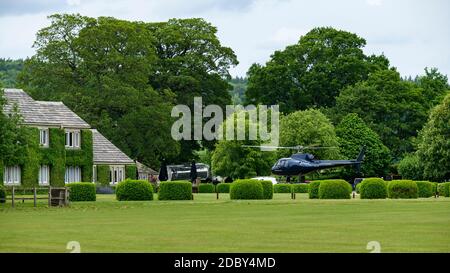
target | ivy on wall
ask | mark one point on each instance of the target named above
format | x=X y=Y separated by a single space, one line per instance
x=131 y=172
x=56 y=156
x=103 y=175
x=83 y=157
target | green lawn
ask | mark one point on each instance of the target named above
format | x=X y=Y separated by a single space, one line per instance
x=210 y=225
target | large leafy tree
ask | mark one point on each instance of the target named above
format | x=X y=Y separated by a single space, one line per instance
x=123 y=77
x=312 y=72
x=308 y=128
x=393 y=108
x=434 y=144
x=232 y=159
x=191 y=62
x=352 y=134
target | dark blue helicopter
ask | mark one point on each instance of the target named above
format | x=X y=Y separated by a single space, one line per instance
x=303 y=163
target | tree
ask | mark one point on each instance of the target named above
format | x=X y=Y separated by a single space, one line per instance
x=434 y=143
x=191 y=62
x=352 y=134
x=231 y=159
x=410 y=168
x=9 y=69
x=393 y=108
x=111 y=71
x=312 y=72
x=13 y=136
x=434 y=86
x=308 y=128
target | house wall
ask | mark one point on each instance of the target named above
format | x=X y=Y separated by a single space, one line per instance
x=103 y=176
x=56 y=156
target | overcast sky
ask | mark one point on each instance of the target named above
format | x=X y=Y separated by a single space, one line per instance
x=413 y=34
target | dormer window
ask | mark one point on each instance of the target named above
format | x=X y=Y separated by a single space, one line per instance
x=43 y=137
x=73 y=139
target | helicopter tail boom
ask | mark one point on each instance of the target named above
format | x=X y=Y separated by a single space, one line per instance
x=361 y=154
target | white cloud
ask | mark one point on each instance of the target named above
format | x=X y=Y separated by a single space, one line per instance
x=73 y=2
x=374 y=2
x=413 y=34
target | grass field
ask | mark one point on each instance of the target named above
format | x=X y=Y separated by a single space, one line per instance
x=210 y=225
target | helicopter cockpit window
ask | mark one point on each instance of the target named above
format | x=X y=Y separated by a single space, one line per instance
x=309 y=157
x=281 y=163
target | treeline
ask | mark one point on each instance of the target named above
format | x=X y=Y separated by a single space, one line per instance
x=124 y=77
x=9 y=69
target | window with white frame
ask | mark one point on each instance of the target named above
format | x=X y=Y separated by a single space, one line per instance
x=43 y=137
x=94 y=173
x=44 y=175
x=73 y=139
x=11 y=175
x=73 y=174
x=117 y=174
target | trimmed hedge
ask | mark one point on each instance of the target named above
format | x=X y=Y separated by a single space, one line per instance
x=267 y=189
x=2 y=194
x=134 y=190
x=425 y=189
x=373 y=188
x=358 y=188
x=300 y=188
x=282 y=188
x=334 y=189
x=175 y=190
x=444 y=189
x=402 y=189
x=313 y=190
x=223 y=187
x=246 y=189
x=82 y=191
x=206 y=188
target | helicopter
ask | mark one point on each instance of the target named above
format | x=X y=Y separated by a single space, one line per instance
x=303 y=163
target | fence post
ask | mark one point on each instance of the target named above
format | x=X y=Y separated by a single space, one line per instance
x=12 y=197
x=49 y=196
x=34 y=193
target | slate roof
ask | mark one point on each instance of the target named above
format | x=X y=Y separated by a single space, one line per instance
x=107 y=153
x=45 y=113
x=48 y=113
x=145 y=169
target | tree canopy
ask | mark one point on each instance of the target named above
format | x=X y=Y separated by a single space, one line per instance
x=352 y=134
x=434 y=143
x=312 y=72
x=308 y=128
x=231 y=159
x=395 y=109
x=123 y=77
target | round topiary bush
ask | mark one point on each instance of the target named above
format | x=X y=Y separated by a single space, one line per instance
x=300 y=188
x=2 y=194
x=267 y=189
x=177 y=190
x=425 y=189
x=206 y=188
x=223 y=187
x=444 y=189
x=358 y=188
x=314 y=189
x=134 y=190
x=82 y=191
x=334 y=189
x=282 y=188
x=246 y=189
x=402 y=189
x=373 y=188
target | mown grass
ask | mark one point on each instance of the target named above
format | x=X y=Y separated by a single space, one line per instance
x=210 y=225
